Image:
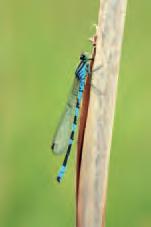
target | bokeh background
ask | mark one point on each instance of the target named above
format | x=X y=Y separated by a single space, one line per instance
x=40 y=42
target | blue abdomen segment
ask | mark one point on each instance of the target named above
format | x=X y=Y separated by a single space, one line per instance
x=76 y=112
x=61 y=173
x=74 y=126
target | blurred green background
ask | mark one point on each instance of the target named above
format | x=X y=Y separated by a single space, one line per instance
x=40 y=42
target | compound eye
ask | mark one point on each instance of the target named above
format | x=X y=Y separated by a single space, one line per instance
x=82 y=57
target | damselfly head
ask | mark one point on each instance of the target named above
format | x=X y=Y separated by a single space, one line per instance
x=83 y=57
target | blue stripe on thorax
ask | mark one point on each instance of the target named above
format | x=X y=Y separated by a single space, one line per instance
x=80 y=66
x=81 y=71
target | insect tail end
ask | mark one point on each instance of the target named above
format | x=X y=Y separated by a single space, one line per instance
x=59 y=179
x=61 y=173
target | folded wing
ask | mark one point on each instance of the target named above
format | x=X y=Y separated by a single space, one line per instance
x=61 y=137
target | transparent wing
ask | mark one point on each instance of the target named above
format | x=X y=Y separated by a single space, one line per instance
x=61 y=137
